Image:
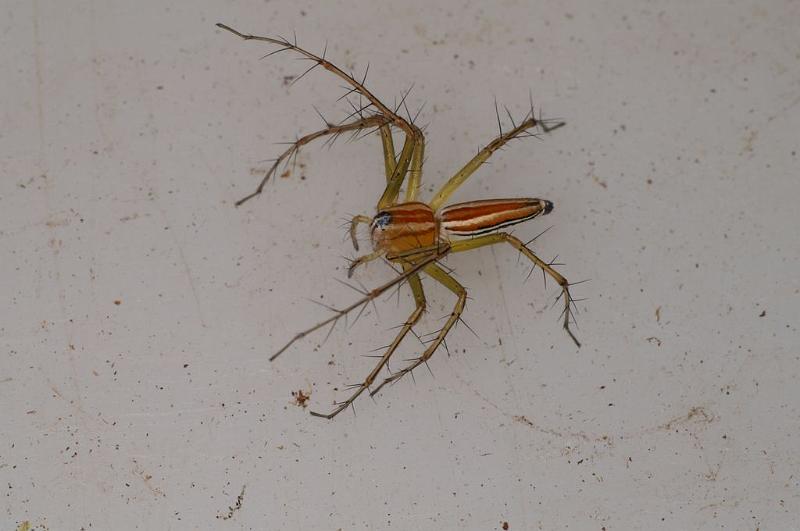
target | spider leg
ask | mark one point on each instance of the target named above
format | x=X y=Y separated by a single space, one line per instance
x=395 y=167
x=500 y=237
x=483 y=155
x=363 y=260
x=415 y=173
x=375 y=120
x=389 y=156
x=358 y=86
x=419 y=297
x=411 y=145
x=413 y=133
x=410 y=270
x=354 y=225
x=441 y=276
x=359 y=388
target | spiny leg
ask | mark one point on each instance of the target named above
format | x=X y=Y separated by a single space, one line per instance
x=491 y=239
x=483 y=155
x=413 y=133
x=356 y=85
x=410 y=322
x=393 y=185
x=411 y=155
x=409 y=272
x=419 y=298
x=441 y=276
x=375 y=120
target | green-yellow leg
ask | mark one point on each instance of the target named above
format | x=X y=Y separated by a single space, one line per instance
x=394 y=183
x=389 y=156
x=415 y=173
x=419 y=297
x=500 y=237
x=441 y=276
x=409 y=162
x=477 y=161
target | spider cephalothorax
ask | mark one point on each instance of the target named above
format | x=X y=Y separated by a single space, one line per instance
x=413 y=234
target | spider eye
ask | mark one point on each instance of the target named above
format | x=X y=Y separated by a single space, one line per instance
x=381 y=220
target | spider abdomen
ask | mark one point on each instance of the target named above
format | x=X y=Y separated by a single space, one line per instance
x=478 y=217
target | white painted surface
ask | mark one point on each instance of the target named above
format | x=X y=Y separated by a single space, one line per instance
x=129 y=128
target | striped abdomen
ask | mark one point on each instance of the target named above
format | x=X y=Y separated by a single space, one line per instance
x=478 y=217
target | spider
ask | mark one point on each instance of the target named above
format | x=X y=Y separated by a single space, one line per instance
x=411 y=234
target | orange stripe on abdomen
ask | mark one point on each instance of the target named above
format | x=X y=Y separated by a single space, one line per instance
x=477 y=217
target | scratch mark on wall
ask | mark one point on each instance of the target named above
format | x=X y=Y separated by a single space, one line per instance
x=37 y=57
x=697 y=413
x=147 y=480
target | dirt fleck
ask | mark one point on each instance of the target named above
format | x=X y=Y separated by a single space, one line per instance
x=713 y=472
x=117 y=302
x=57 y=223
x=654 y=339
x=523 y=419
x=747 y=146
x=596 y=179
x=301 y=398
x=658 y=314
x=763 y=313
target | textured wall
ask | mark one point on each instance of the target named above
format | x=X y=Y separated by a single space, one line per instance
x=139 y=306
